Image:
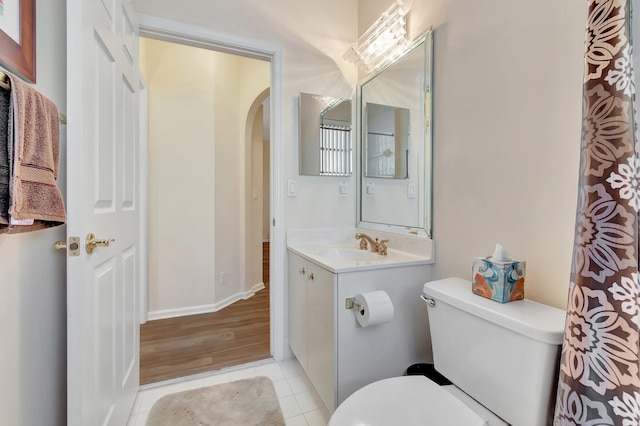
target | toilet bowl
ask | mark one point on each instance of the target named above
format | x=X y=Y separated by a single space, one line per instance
x=411 y=400
x=487 y=350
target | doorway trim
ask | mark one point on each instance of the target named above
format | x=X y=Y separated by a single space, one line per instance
x=176 y=32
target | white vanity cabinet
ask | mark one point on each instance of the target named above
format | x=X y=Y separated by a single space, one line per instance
x=338 y=355
x=312 y=324
x=297 y=307
x=321 y=345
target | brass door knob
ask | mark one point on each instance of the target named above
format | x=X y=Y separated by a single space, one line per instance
x=93 y=242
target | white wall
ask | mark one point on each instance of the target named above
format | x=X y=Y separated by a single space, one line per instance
x=266 y=171
x=507 y=111
x=198 y=104
x=507 y=120
x=266 y=191
x=33 y=274
x=313 y=36
x=181 y=178
x=255 y=198
x=239 y=81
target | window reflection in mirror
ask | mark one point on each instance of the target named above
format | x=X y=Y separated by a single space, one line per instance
x=325 y=135
x=387 y=148
x=395 y=144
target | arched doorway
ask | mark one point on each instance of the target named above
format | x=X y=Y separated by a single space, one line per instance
x=257 y=194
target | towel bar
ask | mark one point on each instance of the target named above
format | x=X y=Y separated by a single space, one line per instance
x=4 y=84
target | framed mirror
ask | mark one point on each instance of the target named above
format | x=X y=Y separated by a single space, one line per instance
x=325 y=135
x=395 y=137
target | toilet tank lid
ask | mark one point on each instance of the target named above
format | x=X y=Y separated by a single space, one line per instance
x=535 y=320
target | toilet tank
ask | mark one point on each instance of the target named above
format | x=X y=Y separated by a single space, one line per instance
x=505 y=356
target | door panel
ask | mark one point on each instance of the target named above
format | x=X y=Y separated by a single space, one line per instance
x=103 y=306
x=128 y=324
x=102 y=186
x=109 y=6
x=105 y=129
x=321 y=356
x=129 y=37
x=129 y=136
x=298 y=307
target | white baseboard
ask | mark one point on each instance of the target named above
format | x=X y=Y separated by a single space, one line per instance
x=204 y=309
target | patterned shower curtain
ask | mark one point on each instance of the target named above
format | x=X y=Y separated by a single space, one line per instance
x=599 y=372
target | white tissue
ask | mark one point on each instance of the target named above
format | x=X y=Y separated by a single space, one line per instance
x=375 y=308
x=500 y=254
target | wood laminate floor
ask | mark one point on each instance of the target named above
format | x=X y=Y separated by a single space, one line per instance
x=237 y=334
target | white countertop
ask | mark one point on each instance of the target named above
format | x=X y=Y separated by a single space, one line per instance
x=327 y=256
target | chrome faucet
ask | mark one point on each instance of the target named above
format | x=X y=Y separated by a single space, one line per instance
x=379 y=247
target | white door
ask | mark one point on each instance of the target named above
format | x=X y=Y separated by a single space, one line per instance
x=102 y=198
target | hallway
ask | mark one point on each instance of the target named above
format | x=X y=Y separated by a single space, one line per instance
x=182 y=346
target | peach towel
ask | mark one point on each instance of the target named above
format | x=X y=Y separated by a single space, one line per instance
x=36 y=153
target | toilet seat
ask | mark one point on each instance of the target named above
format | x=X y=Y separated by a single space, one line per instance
x=407 y=400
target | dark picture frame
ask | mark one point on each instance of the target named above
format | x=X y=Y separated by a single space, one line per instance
x=21 y=58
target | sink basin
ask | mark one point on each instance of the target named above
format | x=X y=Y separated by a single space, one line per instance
x=346 y=253
x=347 y=257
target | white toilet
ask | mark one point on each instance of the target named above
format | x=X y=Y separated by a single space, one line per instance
x=501 y=358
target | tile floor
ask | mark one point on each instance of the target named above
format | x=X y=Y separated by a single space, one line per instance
x=301 y=405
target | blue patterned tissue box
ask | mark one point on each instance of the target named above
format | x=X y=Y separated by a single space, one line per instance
x=502 y=281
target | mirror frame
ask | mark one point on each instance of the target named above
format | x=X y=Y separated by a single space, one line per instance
x=427 y=149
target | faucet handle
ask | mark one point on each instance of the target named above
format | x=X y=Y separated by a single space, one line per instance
x=382 y=247
x=363 y=241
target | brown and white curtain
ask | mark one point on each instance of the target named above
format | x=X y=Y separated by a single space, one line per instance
x=599 y=372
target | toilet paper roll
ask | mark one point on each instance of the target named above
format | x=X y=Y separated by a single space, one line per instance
x=375 y=308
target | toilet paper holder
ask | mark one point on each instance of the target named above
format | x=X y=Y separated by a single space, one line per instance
x=350 y=303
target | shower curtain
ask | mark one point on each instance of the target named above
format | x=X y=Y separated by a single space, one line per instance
x=599 y=380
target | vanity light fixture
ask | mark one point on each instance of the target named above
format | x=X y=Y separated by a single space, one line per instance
x=383 y=42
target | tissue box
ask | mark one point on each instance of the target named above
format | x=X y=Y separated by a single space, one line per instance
x=502 y=281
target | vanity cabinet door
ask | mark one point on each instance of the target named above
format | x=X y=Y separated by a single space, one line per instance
x=321 y=355
x=297 y=305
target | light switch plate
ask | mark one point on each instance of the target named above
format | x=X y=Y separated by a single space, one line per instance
x=344 y=188
x=292 y=188
x=411 y=190
x=371 y=189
